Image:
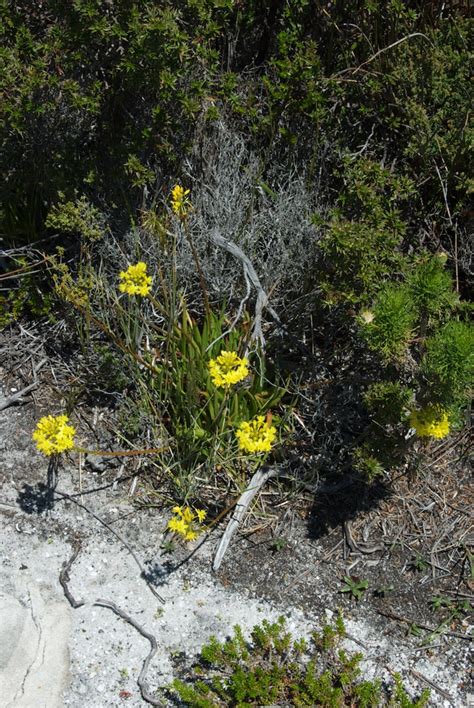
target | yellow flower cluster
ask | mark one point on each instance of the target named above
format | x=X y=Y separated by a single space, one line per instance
x=53 y=434
x=185 y=522
x=179 y=201
x=430 y=422
x=135 y=281
x=256 y=435
x=228 y=369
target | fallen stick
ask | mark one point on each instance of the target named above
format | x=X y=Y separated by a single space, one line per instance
x=433 y=685
x=256 y=483
x=117 y=535
x=64 y=579
x=16 y=398
x=427 y=628
x=141 y=680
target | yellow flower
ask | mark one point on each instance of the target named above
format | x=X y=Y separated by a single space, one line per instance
x=188 y=515
x=256 y=435
x=178 y=526
x=228 y=369
x=186 y=522
x=201 y=514
x=53 y=434
x=431 y=422
x=135 y=281
x=179 y=201
x=190 y=535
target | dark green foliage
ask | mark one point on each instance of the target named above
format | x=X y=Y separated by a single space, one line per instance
x=362 y=239
x=274 y=669
x=22 y=294
x=94 y=90
x=387 y=401
x=449 y=363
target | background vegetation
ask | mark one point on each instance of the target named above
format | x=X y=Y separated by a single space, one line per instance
x=328 y=141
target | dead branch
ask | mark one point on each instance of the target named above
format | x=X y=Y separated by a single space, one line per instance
x=250 y=274
x=256 y=483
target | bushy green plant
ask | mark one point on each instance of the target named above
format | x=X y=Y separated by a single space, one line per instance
x=409 y=325
x=365 y=461
x=392 y=327
x=431 y=287
x=271 y=668
x=448 y=364
x=388 y=401
x=361 y=240
x=77 y=217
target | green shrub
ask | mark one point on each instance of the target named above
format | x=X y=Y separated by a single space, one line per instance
x=431 y=287
x=77 y=217
x=387 y=401
x=448 y=364
x=272 y=669
x=392 y=327
x=361 y=240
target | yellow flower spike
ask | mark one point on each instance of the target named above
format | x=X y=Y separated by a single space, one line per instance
x=185 y=522
x=256 y=435
x=201 y=515
x=54 y=435
x=228 y=369
x=135 y=281
x=180 y=203
x=188 y=515
x=191 y=535
x=430 y=422
x=178 y=526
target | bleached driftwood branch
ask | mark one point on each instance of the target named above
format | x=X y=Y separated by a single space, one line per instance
x=256 y=483
x=250 y=275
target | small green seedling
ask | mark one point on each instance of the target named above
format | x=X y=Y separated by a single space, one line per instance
x=168 y=547
x=278 y=544
x=418 y=563
x=355 y=586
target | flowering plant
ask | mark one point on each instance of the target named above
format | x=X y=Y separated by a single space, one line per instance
x=228 y=369
x=54 y=435
x=180 y=203
x=135 y=281
x=186 y=522
x=256 y=435
x=432 y=421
